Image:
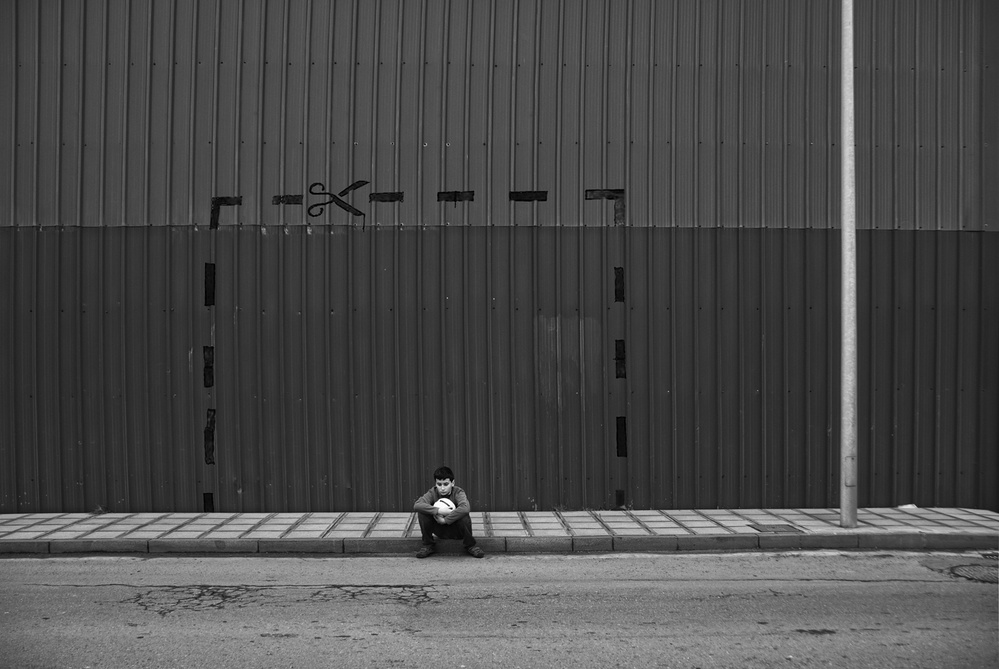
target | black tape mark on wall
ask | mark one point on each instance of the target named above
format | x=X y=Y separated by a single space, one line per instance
x=287 y=199
x=209 y=284
x=385 y=197
x=218 y=202
x=210 y=438
x=622 y=436
x=620 y=360
x=615 y=194
x=619 y=499
x=529 y=195
x=209 y=499
x=456 y=196
x=209 y=353
x=619 y=284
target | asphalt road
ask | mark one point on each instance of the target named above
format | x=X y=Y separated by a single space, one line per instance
x=688 y=610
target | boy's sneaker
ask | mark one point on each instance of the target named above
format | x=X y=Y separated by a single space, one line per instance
x=475 y=552
x=426 y=551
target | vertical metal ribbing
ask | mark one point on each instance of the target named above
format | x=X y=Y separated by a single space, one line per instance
x=286 y=462
x=330 y=120
x=147 y=119
x=375 y=76
x=622 y=253
x=655 y=486
x=512 y=146
x=35 y=139
x=421 y=371
x=402 y=466
x=559 y=110
x=36 y=414
x=490 y=69
x=696 y=209
x=124 y=117
x=306 y=98
x=58 y=106
x=442 y=173
x=171 y=84
x=535 y=109
x=352 y=88
x=447 y=436
x=261 y=68
x=469 y=394
x=421 y=219
x=14 y=95
x=192 y=117
x=213 y=176
x=237 y=135
x=380 y=396
x=720 y=450
x=673 y=223
x=397 y=121
x=283 y=133
x=102 y=162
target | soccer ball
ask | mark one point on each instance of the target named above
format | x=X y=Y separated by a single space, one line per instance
x=445 y=505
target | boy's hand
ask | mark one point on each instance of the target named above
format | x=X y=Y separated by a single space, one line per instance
x=440 y=519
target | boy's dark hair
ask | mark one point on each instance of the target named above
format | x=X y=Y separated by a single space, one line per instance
x=443 y=473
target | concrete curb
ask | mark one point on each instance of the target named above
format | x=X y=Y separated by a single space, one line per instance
x=317 y=546
x=718 y=542
x=21 y=546
x=649 y=543
x=539 y=544
x=234 y=546
x=807 y=541
x=599 y=544
x=514 y=545
x=64 y=546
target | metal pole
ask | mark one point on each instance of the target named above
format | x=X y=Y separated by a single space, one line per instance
x=848 y=276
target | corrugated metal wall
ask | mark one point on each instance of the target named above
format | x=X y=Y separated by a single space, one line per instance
x=652 y=319
x=349 y=362
x=706 y=113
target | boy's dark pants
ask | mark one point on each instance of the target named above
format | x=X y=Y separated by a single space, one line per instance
x=461 y=529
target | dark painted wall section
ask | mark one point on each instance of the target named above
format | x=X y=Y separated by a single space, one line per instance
x=347 y=363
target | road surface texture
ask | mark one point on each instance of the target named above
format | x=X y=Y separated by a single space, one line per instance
x=803 y=609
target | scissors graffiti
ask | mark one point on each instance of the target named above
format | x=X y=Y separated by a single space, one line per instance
x=319 y=188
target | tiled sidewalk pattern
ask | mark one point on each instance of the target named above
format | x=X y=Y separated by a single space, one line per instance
x=510 y=524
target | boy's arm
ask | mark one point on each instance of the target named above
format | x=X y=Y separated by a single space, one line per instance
x=425 y=504
x=462 y=507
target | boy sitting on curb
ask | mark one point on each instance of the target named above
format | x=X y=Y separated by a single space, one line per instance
x=453 y=525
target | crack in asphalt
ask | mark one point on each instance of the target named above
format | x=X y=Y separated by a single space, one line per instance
x=164 y=600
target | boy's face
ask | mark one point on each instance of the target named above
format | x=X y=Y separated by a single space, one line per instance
x=444 y=487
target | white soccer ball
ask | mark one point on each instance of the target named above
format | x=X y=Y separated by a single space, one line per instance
x=445 y=505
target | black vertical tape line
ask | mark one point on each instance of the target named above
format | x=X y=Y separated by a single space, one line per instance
x=619 y=284
x=209 y=352
x=209 y=284
x=620 y=363
x=210 y=438
x=209 y=499
x=622 y=436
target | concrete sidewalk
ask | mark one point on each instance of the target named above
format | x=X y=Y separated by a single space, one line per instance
x=500 y=531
